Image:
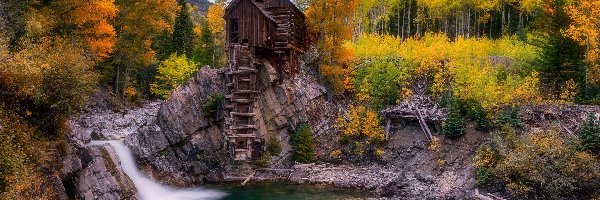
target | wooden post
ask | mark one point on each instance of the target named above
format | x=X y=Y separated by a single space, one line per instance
x=292 y=64
x=388 y=123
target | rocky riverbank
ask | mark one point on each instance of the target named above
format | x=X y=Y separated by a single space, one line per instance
x=175 y=143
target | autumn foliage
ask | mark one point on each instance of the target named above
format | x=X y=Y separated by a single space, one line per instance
x=585 y=29
x=540 y=164
x=361 y=128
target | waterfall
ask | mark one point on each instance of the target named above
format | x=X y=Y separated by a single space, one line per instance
x=150 y=190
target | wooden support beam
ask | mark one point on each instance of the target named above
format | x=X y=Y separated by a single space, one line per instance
x=423 y=124
x=248 y=179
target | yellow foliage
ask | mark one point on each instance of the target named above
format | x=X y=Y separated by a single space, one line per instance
x=335 y=153
x=379 y=152
x=172 y=72
x=435 y=144
x=569 y=91
x=332 y=20
x=361 y=122
x=489 y=71
x=214 y=16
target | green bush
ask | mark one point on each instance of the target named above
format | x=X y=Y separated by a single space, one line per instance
x=273 y=146
x=589 y=135
x=589 y=95
x=471 y=109
x=510 y=117
x=302 y=141
x=171 y=73
x=454 y=126
x=263 y=160
x=211 y=106
x=380 y=79
x=481 y=118
x=484 y=176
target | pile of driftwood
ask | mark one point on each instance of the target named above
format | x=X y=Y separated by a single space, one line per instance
x=418 y=107
x=569 y=118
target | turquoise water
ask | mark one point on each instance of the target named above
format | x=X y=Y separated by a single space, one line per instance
x=285 y=191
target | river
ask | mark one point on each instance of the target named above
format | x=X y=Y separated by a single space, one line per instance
x=150 y=190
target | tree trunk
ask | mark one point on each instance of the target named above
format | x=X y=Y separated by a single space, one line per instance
x=491 y=24
x=398 y=22
x=409 y=20
x=403 y=19
x=456 y=26
x=503 y=18
x=508 y=20
x=125 y=81
x=117 y=77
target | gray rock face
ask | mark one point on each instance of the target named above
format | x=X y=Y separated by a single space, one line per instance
x=109 y=125
x=92 y=172
x=103 y=178
x=183 y=146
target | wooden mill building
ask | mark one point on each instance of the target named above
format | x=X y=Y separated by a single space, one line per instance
x=257 y=30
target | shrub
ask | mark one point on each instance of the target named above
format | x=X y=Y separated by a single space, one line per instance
x=484 y=176
x=52 y=76
x=172 y=72
x=212 y=104
x=21 y=154
x=474 y=111
x=481 y=118
x=454 y=126
x=263 y=160
x=589 y=135
x=273 y=146
x=302 y=141
x=539 y=164
x=380 y=79
x=361 y=127
x=335 y=153
x=510 y=117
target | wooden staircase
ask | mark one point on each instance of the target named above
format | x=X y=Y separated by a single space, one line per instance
x=242 y=80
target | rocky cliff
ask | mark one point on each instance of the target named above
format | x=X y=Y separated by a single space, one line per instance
x=183 y=146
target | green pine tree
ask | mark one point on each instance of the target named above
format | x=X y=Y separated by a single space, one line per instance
x=205 y=51
x=454 y=126
x=304 y=149
x=183 y=31
x=589 y=135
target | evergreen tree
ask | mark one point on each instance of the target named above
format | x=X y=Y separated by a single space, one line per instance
x=304 y=149
x=183 y=31
x=454 y=126
x=204 y=53
x=589 y=135
x=561 y=58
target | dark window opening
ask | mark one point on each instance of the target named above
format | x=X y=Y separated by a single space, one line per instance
x=234 y=30
x=241 y=145
x=245 y=41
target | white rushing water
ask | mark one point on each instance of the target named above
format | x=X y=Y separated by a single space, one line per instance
x=150 y=190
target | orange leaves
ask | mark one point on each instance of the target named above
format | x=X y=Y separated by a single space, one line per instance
x=94 y=11
x=332 y=20
x=585 y=29
x=93 y=18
